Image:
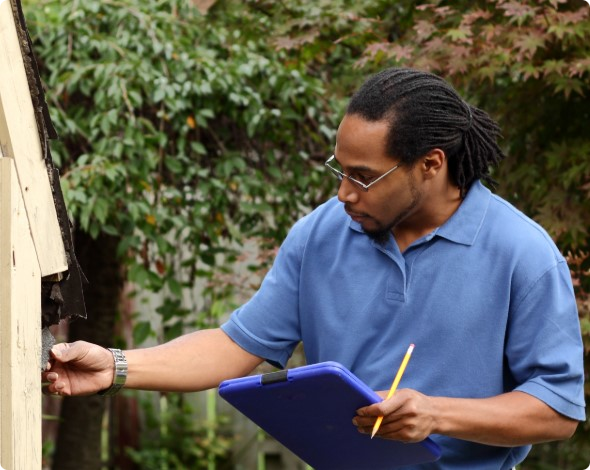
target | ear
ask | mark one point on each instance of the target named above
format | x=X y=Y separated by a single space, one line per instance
x=432 y=163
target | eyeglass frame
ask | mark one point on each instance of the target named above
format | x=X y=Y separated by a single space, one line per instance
x=364 y=187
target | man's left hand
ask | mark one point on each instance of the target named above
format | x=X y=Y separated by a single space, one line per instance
x=408 y=416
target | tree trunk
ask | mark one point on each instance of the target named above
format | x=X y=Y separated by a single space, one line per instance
x=78 y=445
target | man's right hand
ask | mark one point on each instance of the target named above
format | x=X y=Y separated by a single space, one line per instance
x=78 y=368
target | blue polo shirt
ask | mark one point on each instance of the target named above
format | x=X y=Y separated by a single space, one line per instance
x=486 y=298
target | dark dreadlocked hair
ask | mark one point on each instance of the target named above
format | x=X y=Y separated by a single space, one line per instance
x=425 y=112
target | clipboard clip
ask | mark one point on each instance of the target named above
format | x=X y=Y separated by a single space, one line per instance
x=274 y=377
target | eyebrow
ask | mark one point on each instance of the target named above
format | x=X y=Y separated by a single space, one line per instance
x=358 y=167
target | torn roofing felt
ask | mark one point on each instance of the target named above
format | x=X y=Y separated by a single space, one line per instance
x=61 y=293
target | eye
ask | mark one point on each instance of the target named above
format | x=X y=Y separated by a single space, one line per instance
x=363 y=177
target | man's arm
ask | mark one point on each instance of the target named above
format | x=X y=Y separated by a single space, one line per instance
x=196 y=361
x=510 y=419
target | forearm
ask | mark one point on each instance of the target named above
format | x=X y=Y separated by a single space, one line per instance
x=510 y=419
x=196 y=361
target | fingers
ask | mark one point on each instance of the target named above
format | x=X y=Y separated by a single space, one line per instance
x=391 y=423
x=397 y=429
x=52 y=385
x=366 y=416
x=383 y=408
x=59 y=351
x=66 y=352
x=81 y=351
x=48 y=390
x=51 y=377
x=405 y=417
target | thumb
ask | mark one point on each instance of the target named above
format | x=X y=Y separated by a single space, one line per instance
x=62 y=351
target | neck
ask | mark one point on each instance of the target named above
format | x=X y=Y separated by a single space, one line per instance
x=436 y=207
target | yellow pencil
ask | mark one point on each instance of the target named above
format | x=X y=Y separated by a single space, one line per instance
x=394 y=385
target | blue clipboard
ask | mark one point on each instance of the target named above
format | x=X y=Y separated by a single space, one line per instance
x=309 y=410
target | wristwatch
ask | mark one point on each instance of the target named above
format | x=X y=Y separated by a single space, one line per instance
x=120 y=373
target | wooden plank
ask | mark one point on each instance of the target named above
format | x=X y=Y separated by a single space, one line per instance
x=19 y=139
x=20 y=330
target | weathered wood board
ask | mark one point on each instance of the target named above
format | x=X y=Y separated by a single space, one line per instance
x=20 y=330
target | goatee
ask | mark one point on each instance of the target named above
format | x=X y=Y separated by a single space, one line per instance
x=379 y=236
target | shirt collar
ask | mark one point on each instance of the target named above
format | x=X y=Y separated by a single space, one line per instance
x=464 y=225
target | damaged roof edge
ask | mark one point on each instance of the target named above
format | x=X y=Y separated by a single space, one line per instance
x=62 y=294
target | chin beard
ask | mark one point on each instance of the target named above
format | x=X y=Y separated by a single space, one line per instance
x=382 y=233
x=380 y=236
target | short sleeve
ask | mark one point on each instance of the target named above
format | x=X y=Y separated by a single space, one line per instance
x=544 y=347
x=268 y=324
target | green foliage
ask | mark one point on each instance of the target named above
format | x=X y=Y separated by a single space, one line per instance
x=46 y=452
x=176 y=438
x=180 y=130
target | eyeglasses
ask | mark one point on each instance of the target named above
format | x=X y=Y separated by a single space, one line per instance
x=363 y=186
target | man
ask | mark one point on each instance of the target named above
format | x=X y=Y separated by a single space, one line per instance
x=413 y=250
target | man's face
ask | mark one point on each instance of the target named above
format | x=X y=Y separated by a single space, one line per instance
x=394 y=200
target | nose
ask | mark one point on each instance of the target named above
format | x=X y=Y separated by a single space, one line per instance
x=347 y=193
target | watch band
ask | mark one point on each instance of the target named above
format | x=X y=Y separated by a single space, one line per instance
x=120 y=373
